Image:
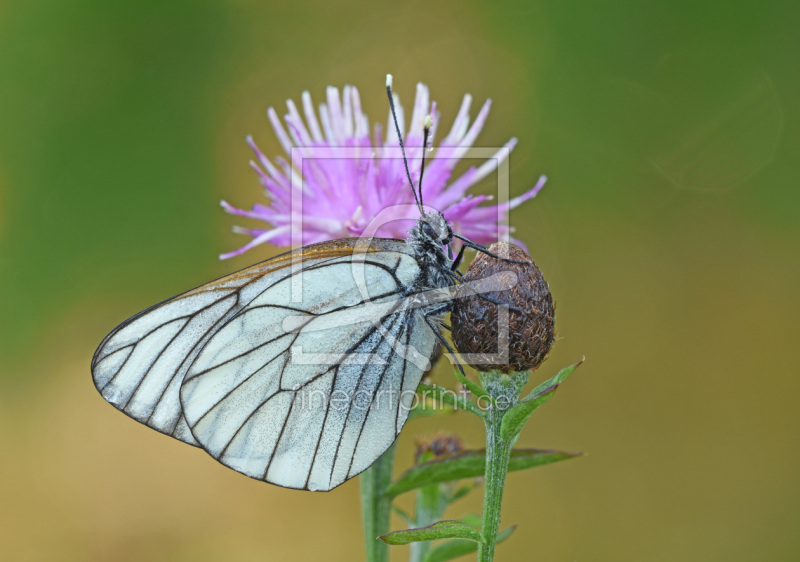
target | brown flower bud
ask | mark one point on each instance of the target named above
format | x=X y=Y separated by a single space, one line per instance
x=438 y=446
x=530 y=323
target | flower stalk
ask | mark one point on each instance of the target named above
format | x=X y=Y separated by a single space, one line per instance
x=376 y=505
x=432 y=500
x=504 y=391
x=504 y=415
x=429 y=508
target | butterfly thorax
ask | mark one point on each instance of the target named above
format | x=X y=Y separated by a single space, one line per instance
x=427 y=240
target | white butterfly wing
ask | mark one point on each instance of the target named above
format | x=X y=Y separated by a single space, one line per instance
x=309 y=394
x=140 y=366
x=228 y=358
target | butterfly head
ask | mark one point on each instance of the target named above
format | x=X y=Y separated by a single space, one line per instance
x=435 y=228
x=431 y=234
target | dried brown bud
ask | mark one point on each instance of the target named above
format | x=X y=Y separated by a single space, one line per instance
x=438 y=446
x=531 y=328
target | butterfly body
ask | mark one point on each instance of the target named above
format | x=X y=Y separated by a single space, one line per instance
x=427 y=240
x=300 y=370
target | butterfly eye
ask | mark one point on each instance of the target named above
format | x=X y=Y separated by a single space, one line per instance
x=449 y=238
x=429 y=231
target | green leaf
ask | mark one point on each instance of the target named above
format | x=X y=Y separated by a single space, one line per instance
x=439 y=530
x=453 y=549
x=422 y=410
x=469 y=464
x=471 y=519
x=461 y=492
x=516 y=418
x=503 y=535
x=403 y=515
x=473 y=387
x=448 y=397
x=449 y=550
x=556 y=380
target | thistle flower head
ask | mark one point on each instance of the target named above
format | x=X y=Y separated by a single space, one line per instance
x=339 y=173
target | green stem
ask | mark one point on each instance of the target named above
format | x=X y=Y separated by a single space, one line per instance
x=429 y=508
x=376 y=505
x=504 y=390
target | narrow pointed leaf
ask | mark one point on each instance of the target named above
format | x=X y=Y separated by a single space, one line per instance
x=449 y=550
x=461 y=492
x=472 y=386
x=555 y=380
x=448 y=397
x=439 y=530
x=516 y=418
x=503 y=535
x=422 y=410
x=469 y=464
x=403 y=515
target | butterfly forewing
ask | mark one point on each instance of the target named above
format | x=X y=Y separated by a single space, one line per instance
x=296 y=383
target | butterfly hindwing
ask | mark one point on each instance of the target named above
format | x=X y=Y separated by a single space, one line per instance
x=308 y=394
x=139 y=366
x=290 y=371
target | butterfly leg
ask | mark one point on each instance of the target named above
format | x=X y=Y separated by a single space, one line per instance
x=485 y=250
x=459 y=257
x=437 y=332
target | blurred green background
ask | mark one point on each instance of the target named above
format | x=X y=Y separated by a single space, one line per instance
x=668 y=232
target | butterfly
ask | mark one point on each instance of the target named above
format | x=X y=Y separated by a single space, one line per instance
x=299 y=370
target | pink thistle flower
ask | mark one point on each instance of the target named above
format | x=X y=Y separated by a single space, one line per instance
x=342 y=178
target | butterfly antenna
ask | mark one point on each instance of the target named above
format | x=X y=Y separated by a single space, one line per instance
x=400 y=138
x=427 y=133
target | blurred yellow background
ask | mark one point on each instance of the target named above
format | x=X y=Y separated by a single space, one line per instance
x=668 y=233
